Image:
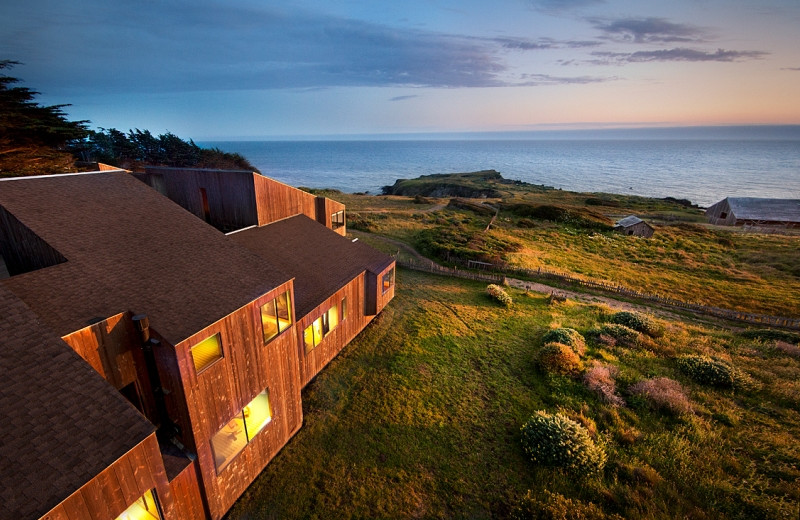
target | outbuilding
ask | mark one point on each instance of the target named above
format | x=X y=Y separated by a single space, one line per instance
x=633 y=225
x=755 y=211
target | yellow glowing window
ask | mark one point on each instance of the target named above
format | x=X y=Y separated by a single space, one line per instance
x=344 y=309
x=276 y=316
x=145 y=508
x=257 y=414
x=205 y=353
x=331 y=320
x=313 y=334
x=227 y=443
x=388 y=280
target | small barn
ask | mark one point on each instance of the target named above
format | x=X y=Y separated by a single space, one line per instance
x=633 y=225
x=755 y=211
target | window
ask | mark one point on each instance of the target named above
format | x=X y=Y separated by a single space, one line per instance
x=276 y=316
x=344 y=309
x=724 y=214
x=321 y=327
x=145 y=508
x=337 y=219
x=205 y=353
x=388 y=280
x=227 y=443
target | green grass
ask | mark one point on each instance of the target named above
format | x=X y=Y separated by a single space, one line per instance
x=420 y=417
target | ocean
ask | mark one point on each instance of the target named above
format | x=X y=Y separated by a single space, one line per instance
x=701 y=170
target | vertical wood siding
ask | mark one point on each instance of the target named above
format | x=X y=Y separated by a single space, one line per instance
x=276 y=201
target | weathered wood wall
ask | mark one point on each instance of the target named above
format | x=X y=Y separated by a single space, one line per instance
x=22 y=249
x=640 y=229
x=714 y=214
x=220 y=391
x=230 y=194
x=118 y=486
x=311 y=363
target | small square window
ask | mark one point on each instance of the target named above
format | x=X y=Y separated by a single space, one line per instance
x=205 y=353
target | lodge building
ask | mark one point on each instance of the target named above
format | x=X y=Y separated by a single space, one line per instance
x=157 y=331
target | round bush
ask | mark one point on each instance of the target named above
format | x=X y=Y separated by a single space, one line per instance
x=560 y=359
x=638 y=322
x=497 y=292
x=566 y=336
x=556 y=440
x=711 y=372
x=621 y=333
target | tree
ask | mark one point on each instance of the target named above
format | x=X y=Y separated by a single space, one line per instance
x=34 y=139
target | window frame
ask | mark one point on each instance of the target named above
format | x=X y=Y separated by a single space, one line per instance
x=384 y=286
x=248 y=437
x=280 y=329
x=337 y=219
x=154 y=497
x=205 y=367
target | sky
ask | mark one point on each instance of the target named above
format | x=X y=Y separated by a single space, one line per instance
x=250 y=69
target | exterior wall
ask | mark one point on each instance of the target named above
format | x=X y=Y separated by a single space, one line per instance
x=230 y=196
x=185 y=489
x=312 y=362
x=642 y=229
x=327 y=207
x=221 y=390
x=714 y=214
x=118 y=486
x=376 y=299
x=276 y=201
x=111 y=347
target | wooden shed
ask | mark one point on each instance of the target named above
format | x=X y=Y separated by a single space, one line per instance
x=634 y=226
x=754 y=211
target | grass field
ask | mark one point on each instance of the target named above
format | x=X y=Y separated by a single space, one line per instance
x=420 y=417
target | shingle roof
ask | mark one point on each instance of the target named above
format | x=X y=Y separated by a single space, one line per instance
x=630 y=220
x=320 y=260
x=754 y=208
x=51 y=399
x=129 y=248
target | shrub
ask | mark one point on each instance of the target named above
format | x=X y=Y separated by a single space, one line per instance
x=711 y=372
x=620 y=333
x=663 y=393
x=499 y=294
x=771 y=335
x=600 y=380
x=553 y=506
x=638 y=322
x=560 y=359
x=566 y=336
x=787 y=348
x=556 y=440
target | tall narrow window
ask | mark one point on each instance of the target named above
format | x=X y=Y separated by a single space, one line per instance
x=313 y=334
x=344 y=309
x=145 y=508
x=337 y=219
x=205 y=353
x=333 y=318
x=388 y=280
x=276 y=316
x=206 y=208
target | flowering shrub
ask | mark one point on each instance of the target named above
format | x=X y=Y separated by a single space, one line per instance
x=712 y=372
x=787 y=348
x=556 y=440
x=497 y=292
x=663 y=393
x=600 y=380
x=560 y=359
x=638 y=322
x=566 y=336
x=620 y=333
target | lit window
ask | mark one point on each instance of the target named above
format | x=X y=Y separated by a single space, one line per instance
x=332 y=318
x=276 y=316
x=205 y=353
x=344 y=309
x=313 y=334
x=145 y=508
x=337 y=219
x=388 y=280
x=227 y=443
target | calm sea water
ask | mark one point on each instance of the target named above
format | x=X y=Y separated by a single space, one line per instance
x=703 y=171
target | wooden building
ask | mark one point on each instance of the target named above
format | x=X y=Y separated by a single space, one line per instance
x=634 y=226
x=753 y=211
x=153 y=364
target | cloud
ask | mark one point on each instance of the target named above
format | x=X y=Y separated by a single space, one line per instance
x=721 y=55
x=524 y=44
x=536 y=80
x=403 y=98
x=791 y=68
x=649 y=30
x=558 y=6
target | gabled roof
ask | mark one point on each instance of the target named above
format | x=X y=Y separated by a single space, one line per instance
x=320 y=260
x=128 y=248
x=754 y=208
x=630 y=220
x=52 y=399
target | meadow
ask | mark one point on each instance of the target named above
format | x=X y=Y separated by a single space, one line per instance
x=421 y=416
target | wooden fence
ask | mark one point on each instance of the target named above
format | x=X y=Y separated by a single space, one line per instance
x=497 y=274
